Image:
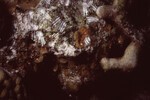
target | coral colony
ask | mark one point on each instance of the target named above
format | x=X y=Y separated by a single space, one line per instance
x=81 y=34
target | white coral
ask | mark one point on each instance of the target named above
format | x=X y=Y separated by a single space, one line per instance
x=128 y=61
x=39 y=38
x=66 y=49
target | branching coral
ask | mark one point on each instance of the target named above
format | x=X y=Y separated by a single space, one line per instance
x=112 y=11
x=116 y=12
x=127 y=61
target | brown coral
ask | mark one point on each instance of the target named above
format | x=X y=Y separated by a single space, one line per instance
x=80 y=36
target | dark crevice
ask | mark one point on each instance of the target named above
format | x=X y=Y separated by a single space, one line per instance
x=138 y=12
x=6 y=24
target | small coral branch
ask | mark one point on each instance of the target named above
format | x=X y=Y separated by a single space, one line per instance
x=111 y=11
x=105 y=11
x=127 y=61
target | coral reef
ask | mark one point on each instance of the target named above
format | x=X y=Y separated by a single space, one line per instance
x=86 y=37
